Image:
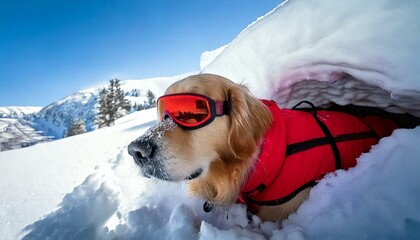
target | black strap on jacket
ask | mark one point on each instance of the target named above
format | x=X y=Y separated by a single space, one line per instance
x=329 y=137
x=312 y=143
x=316 y=142
x=285 y=199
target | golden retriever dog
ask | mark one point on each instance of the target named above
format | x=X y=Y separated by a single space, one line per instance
x=216 y=143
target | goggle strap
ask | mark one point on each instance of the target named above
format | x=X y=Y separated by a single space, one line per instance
x=222 y=108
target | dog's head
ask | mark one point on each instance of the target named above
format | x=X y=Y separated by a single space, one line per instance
x=215 y=157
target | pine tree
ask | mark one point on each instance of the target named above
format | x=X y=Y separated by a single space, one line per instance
x=151 y=99
x=102 y=118
x=135 y=92
x=122 y=105
x=78 y=127
x=112 y=104
x=139 y=107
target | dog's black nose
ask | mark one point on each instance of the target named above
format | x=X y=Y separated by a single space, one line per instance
x=141 y=151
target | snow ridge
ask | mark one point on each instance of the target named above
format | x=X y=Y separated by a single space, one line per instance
x=16 y=112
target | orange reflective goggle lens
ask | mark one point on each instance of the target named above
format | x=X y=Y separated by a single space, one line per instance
x=189 y=110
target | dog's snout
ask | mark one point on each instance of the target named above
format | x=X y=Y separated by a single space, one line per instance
x=141 y=151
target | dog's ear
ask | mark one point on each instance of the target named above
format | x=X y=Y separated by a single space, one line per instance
x=249 y=119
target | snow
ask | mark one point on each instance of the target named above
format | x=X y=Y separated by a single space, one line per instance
x=17 y=111
x=386 y=185
x=88 y=187
x=209 y=56
x=15 y=131
x=35 y=179
x=54 y=119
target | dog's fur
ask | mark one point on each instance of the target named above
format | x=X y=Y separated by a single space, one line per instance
x=225 y=150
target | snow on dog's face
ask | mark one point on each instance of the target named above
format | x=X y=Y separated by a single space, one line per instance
x=215 y=157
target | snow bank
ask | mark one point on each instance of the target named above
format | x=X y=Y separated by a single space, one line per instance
x=370 y=46
x=378 y=199
x=209 y=56
x=81 y=214
x=34 y=180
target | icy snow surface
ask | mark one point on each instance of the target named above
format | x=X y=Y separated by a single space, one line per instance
x=88 y=187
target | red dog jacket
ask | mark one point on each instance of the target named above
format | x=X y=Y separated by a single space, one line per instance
x=302 y=146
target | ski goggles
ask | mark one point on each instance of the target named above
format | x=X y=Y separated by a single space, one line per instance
x=190 y=111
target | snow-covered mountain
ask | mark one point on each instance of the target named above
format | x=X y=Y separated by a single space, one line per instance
x=364 y=52
x=16 y=112
x=54 y=119
x=26 y=126
x=15 y=131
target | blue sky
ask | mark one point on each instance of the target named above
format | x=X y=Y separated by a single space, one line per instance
x=49 y=48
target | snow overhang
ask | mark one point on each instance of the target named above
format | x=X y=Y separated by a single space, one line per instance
x=358 y=52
